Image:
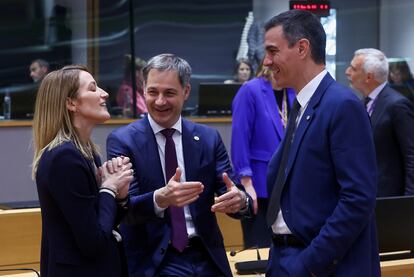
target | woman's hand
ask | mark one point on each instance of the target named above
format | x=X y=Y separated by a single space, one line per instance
x=117 y=174
x=247 y=183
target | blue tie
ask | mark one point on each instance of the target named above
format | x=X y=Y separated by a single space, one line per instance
x=179 y=237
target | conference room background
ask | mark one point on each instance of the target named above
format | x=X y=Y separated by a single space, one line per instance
x=206 y=33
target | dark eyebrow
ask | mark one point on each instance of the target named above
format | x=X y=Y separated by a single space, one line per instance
x=271 y=47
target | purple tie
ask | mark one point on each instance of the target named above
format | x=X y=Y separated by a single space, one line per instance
x=179 y=237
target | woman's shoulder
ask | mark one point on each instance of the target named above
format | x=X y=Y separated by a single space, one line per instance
x=61 y=155
x=62 y=151
x=256 y=84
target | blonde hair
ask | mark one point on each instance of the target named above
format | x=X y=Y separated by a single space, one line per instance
x=264 y=71
x=52 y=122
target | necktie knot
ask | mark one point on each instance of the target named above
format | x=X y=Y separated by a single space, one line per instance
x=168 y=132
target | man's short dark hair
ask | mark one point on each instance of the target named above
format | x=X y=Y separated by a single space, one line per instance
x=298 y=24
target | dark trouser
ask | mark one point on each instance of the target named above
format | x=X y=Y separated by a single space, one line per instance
x=285 y=261
x=255 y=229
x=193 y=261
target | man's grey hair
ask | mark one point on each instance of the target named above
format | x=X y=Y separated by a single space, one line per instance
x=374 y=61
x=166 y=62
x=42 y=63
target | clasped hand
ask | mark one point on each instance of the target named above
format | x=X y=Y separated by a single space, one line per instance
x=117 y=175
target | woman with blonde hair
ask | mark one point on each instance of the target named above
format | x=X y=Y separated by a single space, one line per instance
x=81 y=201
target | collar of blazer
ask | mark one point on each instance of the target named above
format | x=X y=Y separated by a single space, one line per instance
x=380 y=104
x=307 y=118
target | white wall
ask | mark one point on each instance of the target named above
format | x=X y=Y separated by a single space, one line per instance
x=397 y=29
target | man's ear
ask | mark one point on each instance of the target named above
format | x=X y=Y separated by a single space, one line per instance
x=187 y=90
x=303 y=47
x=71 y=105
x=369 y=77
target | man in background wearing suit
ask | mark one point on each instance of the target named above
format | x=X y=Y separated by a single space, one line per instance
x=171 y=229
x=392 y=119
x=322 y=178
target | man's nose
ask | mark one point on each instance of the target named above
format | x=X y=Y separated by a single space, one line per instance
x=267 y=61
x=160 y=100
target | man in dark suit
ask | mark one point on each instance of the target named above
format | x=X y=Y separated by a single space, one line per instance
x=392 y=119
x=171 y=229
x=322 y=178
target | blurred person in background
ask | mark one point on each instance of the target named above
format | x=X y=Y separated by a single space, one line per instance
x=243 y=72
x=38 y=70
x=260 y=114
x=401 y=79
x=124 y=96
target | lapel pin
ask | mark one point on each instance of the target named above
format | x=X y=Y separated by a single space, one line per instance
x=308 y=117
x=196 y=138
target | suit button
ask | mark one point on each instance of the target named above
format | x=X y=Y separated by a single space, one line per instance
x=162 y=251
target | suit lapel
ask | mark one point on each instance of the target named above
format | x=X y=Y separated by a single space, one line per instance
x=93 y=172
x=147 y=146
x=307 y=118
x=379 y=106
x=271 y=107
x=191 y=141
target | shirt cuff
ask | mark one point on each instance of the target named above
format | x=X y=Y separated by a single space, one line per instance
x=107 y=191
x=157 y=209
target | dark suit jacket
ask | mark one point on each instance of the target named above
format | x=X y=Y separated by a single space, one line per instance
x=256 y=130
x=146 y=236
x=328 y=198
x=393 y=126
x=77 y=220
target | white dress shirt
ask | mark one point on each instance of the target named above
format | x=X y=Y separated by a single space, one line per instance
x=373 y=97
x=303 y=97
x=177 y=137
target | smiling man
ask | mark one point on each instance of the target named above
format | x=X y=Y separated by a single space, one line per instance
x=322 y=178
x=179 y=168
